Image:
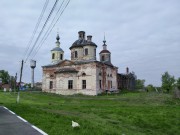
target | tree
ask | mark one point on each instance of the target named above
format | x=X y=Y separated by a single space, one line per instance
x=4 y=75
x=167 y=81
x=178 y=83
x=150 y=88
x=12 y=82
x=140 y=84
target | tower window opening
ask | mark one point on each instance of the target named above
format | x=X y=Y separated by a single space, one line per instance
x=102 y=58
x=53 y=55
x=75 y=54
x=61 y=56
x=86 y=51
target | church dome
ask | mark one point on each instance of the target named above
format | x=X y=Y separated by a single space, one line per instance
x=104 y=51
x=57 y=49
x=82 y=41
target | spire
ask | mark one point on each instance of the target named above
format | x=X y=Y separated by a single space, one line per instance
x=104 y=41
x=57 y=38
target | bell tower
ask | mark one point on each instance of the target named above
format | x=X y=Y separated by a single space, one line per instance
x=105 y=55
x=57 y=54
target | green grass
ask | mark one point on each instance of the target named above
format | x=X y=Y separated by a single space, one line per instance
x=127 y=113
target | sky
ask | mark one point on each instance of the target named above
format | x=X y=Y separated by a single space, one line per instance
x=142 y=35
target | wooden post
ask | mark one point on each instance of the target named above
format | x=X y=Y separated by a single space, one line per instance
x=18 y=96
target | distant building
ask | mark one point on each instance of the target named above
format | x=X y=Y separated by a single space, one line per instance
x=126 y=81
x=83 y=73
x=38 y=85
x=7 y=86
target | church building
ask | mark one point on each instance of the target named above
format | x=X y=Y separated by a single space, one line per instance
x=83 y=74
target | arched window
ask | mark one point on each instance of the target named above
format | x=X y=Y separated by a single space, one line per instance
x=83 y=74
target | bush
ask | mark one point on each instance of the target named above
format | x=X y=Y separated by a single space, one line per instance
x=177 y=93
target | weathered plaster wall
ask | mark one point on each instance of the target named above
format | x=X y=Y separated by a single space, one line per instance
x=91 y=72
x=91 y=53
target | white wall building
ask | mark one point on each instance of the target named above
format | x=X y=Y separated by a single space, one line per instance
x=83 y=73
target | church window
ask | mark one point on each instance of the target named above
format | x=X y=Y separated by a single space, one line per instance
x=70 y=84
x=94 y=52
x=99 y=73
x=50 y=84
x=102 y=58
x=53 y=55
x=83 y=84
x=61 y=56
x=111 y=84
x=76 y=54
x=83 y=74
x=100 y=84
x=86 y=51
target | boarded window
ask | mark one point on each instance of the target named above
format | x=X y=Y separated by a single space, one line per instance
x=83 y=84
x=51 y=85
x=70 y=84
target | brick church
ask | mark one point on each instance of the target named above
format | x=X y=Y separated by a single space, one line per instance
x=83 y=74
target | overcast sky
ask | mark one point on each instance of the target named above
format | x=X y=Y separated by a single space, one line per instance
x=143 y=35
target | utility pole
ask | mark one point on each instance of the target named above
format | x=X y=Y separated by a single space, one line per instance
x=21 y=73
x=20 y=80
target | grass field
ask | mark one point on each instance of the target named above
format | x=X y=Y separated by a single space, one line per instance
x=125 y=113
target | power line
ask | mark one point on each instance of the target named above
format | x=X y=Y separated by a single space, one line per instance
x=38 y=47
x=47 y=34
x=35 y=30
x=42 y=29
x=49 y=31
x=36 y=27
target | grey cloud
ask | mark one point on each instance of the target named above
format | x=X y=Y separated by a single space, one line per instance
x=143 y=35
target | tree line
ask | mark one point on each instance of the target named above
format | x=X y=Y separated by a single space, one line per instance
x=5 y=78
x=168 y=84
